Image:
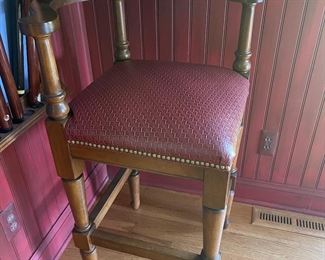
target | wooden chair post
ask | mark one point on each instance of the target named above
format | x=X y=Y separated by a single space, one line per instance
x=215 y=197
x=40 y=30
x=243 y=54
x=43 y=22
x=122 y=51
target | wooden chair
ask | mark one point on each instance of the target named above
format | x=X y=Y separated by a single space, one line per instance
x=167 y=118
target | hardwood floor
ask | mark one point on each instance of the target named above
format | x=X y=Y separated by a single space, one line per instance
x=174 y=219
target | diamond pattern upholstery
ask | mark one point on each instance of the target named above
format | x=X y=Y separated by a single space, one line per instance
x=175 y=110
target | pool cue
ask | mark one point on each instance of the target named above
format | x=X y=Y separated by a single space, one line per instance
x=10 y=86
x=20 y=52
x=33 y=65
x=5 y=118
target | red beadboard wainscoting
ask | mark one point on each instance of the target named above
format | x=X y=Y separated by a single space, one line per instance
x=287 y=97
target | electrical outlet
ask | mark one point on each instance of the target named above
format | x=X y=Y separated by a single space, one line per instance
x=9 y=221
x=268 y=142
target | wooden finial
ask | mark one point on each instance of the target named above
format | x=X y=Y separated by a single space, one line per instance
x=122 y=51
x=243 y=54
x=44 y=21
x=40 y=25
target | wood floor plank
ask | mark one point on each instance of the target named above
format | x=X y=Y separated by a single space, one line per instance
x=174 y=219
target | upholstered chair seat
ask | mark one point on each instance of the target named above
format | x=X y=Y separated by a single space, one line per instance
x=170 y=111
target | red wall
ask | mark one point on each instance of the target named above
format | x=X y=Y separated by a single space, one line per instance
x=287 y=95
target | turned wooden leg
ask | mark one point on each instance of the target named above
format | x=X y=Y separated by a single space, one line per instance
x=233 y=178
x=75 y=191
x=215 y=195
x=134 y=184
x=212 y=232
x=70 y=170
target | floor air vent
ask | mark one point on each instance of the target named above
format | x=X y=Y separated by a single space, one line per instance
x=289 y=221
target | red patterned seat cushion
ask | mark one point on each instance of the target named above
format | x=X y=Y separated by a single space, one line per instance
x=182 y=112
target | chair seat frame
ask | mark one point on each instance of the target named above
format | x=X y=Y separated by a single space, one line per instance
x=69 y=156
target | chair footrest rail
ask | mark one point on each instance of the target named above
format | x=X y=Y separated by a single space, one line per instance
x=119 y=242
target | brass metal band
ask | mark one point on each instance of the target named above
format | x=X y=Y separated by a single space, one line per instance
x=214 y=210
x=135 y=173
x=68 y=180
x=248 y=1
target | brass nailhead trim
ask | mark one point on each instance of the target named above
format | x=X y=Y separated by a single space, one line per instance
x=162 y=157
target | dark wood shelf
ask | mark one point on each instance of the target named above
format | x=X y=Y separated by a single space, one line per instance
x=32 y=116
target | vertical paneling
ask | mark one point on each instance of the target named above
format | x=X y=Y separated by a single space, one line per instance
x=149 y=29
x=269 y=51
x=199 y=31
x=231 y=33
x=134 y=27
x=280 y=82
x=166 y=30
x=29 y=160
x=22 y=197
x=217 y=12
x=94 y=49
x=74 y=16
x=295 y=103
x=321 y=184
x=8 y=249
x=105 y=36
x=182 y=30
x=309 y=114
x=316 y=156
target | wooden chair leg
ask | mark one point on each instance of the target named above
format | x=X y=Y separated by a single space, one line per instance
x=215 y=195
x=233 y=178
x=70 y=171
x=75 y=191
x=134 y=185
x=212 y=232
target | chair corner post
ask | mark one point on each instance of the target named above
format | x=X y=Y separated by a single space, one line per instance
x=122 y=50
x=42 y=22
x=243 y=53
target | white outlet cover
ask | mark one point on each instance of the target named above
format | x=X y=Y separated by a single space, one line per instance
x=9 y=221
